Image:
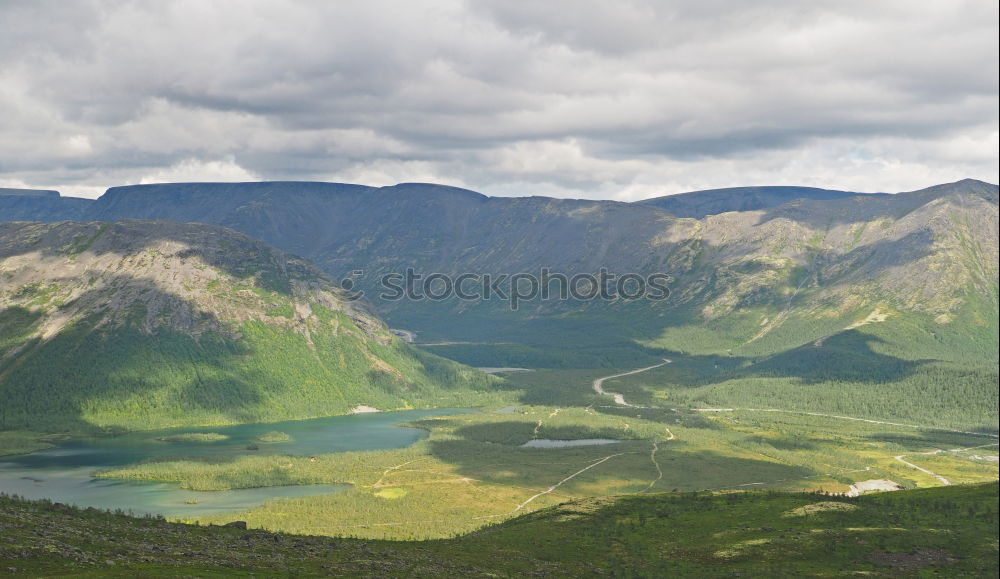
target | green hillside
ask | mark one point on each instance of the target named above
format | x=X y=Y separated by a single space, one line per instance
x=950 y=531
x=138 y=325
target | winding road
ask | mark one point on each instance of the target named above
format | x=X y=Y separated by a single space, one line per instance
x=619 y=398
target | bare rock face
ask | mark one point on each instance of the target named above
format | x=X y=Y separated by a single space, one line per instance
x=163 y=275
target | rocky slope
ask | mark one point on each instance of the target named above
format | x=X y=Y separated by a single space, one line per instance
x=139 y=324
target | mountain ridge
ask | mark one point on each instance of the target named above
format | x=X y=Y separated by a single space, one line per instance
x=736 y=196
x=766 y=279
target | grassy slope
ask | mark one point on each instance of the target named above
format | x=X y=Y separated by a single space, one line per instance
x=946 y=530
x=129 y=380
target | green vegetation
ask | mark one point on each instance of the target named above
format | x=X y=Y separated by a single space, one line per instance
x=21 y=442
x=223 y=331
x=194 y=437
x=273 y=436
x=38 y=295
x=901 y=367
x=282 y=311
x=938 y=395
x=539 y=356
x=126 y=379
x=16 y=327
x=950 y=531
x=833 y=378
x=82 y=242
x=472 y=470
x=391 y=493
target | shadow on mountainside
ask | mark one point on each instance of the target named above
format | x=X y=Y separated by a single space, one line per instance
x=87 y=373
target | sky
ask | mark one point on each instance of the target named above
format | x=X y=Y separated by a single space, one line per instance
x=597 y=99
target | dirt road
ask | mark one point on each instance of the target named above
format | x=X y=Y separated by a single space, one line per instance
x=619 y=398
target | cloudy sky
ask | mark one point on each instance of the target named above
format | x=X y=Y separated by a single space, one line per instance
x=573 y=98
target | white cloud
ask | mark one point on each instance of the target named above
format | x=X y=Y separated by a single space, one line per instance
x=76 y=145
x=583 y=98
x=13 y=184
x=75 y=190
x=194 y=170
x=389 y=172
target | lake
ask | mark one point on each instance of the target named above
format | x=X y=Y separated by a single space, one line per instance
x=63 y=473
x=550 y=443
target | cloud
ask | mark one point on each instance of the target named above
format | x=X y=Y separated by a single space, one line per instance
x=582 y=98
x=194 y=171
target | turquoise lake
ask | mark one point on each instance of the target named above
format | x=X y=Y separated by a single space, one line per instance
x=64 y=473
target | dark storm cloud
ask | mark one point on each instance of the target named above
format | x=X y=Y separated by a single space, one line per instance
x=583 y=98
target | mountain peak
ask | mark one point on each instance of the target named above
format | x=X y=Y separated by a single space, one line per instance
x=971 y=181
x=973 y=187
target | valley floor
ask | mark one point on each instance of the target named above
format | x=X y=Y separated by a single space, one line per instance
x=480 y=468
x=581 y=473
x=474 y=469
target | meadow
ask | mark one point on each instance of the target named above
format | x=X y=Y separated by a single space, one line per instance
x=472 y=471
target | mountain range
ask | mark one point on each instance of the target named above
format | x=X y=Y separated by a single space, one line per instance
x=756 y=263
